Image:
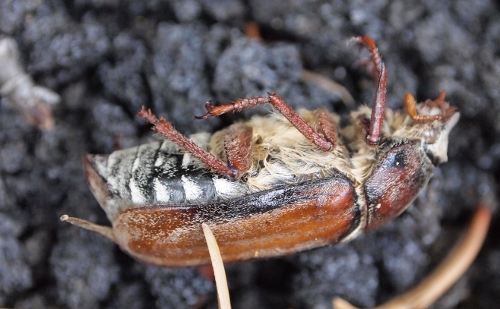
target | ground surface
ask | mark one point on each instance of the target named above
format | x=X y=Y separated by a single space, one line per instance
x=106 y=58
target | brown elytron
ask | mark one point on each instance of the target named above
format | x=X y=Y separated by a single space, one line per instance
x=173 y=236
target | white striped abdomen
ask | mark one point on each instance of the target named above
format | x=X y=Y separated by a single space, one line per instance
x=155 y=174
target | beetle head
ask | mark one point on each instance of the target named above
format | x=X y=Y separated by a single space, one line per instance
x=405 y=160
x=434 y=134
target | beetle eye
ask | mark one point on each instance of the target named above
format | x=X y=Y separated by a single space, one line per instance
x=398 y=159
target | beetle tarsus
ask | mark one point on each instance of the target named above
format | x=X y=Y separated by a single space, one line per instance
x=209 y=107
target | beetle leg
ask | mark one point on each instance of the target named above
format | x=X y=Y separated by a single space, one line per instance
x=447 y=110
x=378 y=111
x=411 y=110
x=280 y=105
x=327 y=127
x=169 y=132
x=238 y=147
x=439 y=101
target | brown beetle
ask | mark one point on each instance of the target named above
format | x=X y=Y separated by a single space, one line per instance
x=272 y=185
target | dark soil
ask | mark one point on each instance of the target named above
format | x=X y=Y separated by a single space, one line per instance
x=106 y=58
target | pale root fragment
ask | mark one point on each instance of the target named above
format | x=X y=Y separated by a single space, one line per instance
x=328 y=85
x=218 y=266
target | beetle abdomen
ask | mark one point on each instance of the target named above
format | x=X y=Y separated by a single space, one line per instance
x=154 y=174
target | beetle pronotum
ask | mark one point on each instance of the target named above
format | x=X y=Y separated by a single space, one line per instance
x=272 y=185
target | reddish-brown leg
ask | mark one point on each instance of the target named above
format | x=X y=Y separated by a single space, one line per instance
x=378 y=111
x=440 y=99
x=169 y=132
x=327 y=127
x=280 y=105
x=238 y=147
x=447 y=110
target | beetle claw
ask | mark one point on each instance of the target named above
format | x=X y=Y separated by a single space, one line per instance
x=209 y=107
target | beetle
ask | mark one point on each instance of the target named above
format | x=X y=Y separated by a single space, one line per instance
x=272 y=185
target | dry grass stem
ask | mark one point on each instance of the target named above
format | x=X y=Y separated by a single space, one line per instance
x=218 y=265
